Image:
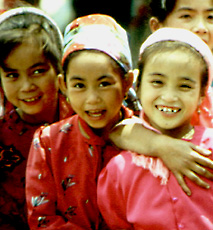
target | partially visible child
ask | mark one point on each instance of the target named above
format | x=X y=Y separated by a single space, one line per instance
x=66 y=157
x=138 y=192
x=195 y=16
x=30 y=62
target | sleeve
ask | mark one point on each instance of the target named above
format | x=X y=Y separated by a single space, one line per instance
x=110 y=195
x=41 y=194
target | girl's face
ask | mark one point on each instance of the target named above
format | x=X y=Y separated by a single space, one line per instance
x=94 y=89
x=30 y=82
x=194 y=15
x=170 y=91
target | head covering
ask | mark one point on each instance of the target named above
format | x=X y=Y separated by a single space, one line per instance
x=205 y=116
x=98 y=32
x=30 y=10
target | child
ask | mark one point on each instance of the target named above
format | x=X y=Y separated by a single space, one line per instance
x=195 y=16
x=137 y=192
x=66 y=157
x=30 y=62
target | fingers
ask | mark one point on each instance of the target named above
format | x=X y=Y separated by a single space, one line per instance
x=193 y=177
x=201 y=150
x=196 y=168
x=201 y=160
x=182 y=183
x=197 y=180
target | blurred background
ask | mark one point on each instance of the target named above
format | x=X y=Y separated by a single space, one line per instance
x=131 y=14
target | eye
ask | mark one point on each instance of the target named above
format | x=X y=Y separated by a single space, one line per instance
x=79 y=85
x=105 y=84
x=12 y=75
x=185 y=87
x=41 y=70
x=210 y=18
x=185 y=16
x=157 y=83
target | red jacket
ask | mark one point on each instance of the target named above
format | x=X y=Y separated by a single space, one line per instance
x=15 y=140
x=62 y=173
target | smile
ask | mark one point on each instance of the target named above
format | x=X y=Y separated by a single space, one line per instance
x=33 y=99
x=169 y=110
x=95 y=113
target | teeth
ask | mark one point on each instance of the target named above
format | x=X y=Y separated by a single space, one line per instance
x=167 y=109
x=31 y=99
x=97 y=113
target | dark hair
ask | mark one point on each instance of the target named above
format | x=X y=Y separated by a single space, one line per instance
x=16 y=29
x=164 y=46
x=161 y=8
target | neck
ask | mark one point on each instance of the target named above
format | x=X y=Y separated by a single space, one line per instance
x=180 y=132
x=48 y=116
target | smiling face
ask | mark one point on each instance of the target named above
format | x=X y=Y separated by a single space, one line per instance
x=170 y=90
x=196 y=16
x=30 y=83
x=95 y=89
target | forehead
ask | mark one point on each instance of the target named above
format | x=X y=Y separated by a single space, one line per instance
x=194 y=4
x=176 y=62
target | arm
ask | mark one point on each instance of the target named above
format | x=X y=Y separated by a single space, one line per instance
x=189 y=163
x=41 y=190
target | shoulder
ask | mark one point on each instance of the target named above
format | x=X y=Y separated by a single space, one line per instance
x=56 y=131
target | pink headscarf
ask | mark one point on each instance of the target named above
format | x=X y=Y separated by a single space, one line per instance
x=205 y=115
x=98 y=32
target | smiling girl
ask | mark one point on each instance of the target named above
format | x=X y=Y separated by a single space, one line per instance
x=137 y=192
x=30 y=62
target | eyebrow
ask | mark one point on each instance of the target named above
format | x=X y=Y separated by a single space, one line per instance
x=188 y=79
x=8 y=69
x=191 y=9
x=180 y=78
x=77 y=78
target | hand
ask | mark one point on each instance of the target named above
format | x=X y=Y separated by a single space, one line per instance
x=185 y=160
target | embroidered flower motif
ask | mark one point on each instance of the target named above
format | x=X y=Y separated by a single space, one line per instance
x=68 y=182
x=71 y=211
x=66 y=128
x=91 y=150
x=38 y=200
x=10 y=157
x=42 y=221
x=36 y=143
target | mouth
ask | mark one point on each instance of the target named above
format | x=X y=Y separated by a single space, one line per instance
x=167 y=109
x=95 y=113
x=32 y=99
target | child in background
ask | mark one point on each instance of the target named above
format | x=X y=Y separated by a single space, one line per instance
x=138 y=192
x=30 y=62
x=195 y=16
x=66 y=157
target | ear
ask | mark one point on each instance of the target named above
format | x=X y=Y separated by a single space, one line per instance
x=128 y=80
x=62 y=84
x=154 y=24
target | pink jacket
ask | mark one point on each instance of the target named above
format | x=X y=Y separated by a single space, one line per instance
x=137 y=192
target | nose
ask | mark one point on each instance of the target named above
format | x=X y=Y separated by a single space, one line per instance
x=93 y=97
x=200 y=27
x=27 y=84
x=169 y=95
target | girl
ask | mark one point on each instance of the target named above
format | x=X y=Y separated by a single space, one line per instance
x=137 y=192
x=30 y=62
x=66 y=157
x=195 y=16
